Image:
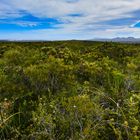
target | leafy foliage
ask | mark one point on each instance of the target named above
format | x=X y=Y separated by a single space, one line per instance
x=69 y=90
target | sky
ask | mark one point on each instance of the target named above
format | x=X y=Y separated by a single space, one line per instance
x=69 y=19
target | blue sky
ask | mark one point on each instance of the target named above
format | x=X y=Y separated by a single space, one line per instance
x=68 y=19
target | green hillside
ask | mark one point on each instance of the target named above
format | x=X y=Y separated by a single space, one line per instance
x=69 y=90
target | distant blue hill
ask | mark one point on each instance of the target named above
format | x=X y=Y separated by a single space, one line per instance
x=119 y=39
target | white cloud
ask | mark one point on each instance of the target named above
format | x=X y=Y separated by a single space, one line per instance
x=26 y=24
x=94 y=13
x=67 y=33
x=7 y=11
x=60 y=8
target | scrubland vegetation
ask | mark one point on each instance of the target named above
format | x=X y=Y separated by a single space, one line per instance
x=69 y=90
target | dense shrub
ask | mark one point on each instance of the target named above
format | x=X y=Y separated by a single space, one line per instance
x=72 y=90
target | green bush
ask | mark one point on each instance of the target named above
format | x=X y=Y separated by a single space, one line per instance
x=69 y=90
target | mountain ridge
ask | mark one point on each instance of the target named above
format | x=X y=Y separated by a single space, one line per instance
x=119 y=39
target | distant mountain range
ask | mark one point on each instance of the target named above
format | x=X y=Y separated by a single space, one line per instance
x=120 y=39
x=117 y=39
